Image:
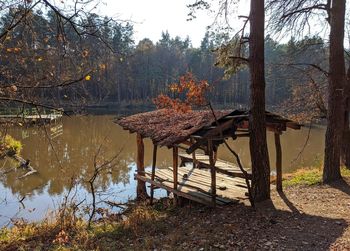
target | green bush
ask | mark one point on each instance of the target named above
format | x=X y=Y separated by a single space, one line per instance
x=8 y=143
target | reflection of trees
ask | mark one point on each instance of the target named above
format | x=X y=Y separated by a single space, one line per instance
x=75 y=149
x=81 y=137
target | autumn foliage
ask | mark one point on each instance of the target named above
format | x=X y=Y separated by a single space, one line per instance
x=188 y=93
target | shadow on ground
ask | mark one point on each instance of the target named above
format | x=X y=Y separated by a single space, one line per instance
x=234 y=227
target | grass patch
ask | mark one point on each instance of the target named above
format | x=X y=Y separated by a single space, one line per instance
x=308 y=177
x=8 y=143
x=68 y=232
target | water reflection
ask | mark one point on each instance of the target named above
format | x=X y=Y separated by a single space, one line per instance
x=74 y=144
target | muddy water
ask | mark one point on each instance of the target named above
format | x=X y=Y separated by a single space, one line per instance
x=69 y=155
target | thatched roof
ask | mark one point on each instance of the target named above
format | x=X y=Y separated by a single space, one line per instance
x=167 y=128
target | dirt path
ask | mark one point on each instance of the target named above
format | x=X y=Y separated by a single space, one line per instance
x=303 y=218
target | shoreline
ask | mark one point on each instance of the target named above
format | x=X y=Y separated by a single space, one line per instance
x=291 y=220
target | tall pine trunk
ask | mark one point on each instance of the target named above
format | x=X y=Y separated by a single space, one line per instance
x=337 y=78
x=257 y=143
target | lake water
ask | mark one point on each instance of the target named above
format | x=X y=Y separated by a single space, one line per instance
x=69 y=155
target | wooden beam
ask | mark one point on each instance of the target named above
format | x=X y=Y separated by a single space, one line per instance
x=212 y=171
x=141 y=191
x=214 y=132
x=236 y=116
x=154 y=161
x=278 y=162
x=293 y=125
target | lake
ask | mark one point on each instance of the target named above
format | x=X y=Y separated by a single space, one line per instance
x=69 y=156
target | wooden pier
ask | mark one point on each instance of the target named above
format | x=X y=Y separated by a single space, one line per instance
x=33 y=118
x=194 y=184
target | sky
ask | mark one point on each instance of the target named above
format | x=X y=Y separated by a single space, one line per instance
x=151 y=17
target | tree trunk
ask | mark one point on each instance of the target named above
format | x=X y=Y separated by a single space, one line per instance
x=346 y=130
x=258 y=146
x=335 y=114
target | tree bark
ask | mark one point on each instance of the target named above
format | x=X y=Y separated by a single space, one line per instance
x=141 y=191
x=257 y=143
x=335 y=114
x=345 y=155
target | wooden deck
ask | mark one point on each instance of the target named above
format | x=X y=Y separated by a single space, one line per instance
x=222 y=166
x=195 y=184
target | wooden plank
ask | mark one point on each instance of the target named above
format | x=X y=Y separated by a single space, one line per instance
x=189 y=185
x=221 y=165
x=201 y=189
x=177 y=192
x=205 y=174
x=228 y=192
x=205 y=182
x=221 y=181
x=184 y=185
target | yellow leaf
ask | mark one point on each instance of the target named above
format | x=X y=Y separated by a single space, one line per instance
x=40 y=59
x=87 y=77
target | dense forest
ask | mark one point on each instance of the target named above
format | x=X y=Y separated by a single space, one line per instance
x=113 y=69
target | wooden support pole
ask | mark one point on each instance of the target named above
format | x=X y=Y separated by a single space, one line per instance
x=154 y=161
x=194 y=161
x=278 y=161
x=175 y=169
x=212 y=171
x=141 y=191
x=215 y=155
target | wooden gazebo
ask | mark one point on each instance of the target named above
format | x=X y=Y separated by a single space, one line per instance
x=207 y=180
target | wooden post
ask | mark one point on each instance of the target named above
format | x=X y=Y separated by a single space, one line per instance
x=141 y=191
x=154 y=161
x=175 y=167
x=212 y=172
x=278 y=161
x=215 y=154
x=194 y=161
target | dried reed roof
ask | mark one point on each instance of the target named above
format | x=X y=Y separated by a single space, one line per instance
x=167 y=128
